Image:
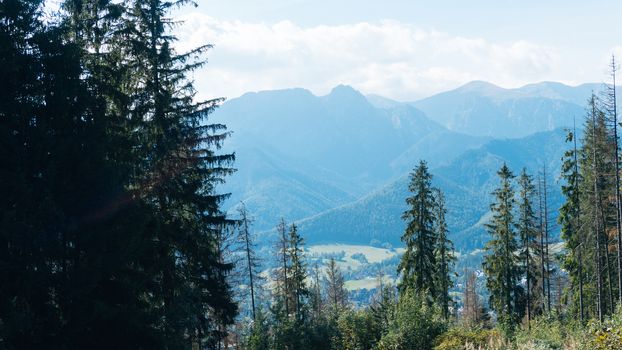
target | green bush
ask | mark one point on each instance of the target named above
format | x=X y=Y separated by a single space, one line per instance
x=459 y=338
x=548 y=333
x=357 y=331
x=416 y=325
x=606 y=335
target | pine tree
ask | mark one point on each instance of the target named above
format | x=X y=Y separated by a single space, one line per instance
x=597 y=201
x=570 y=220
x=283 y=272
x=527 y=231
x=248 y=246
x=444 y=253
x=28 y=248
x=316 y=297
x=298 y=289
x=501 y=264
x=594 y=153
x=335 y=286
x=544 y=233
x=258 y=338
x=418 y=264
x=610 y=108
x=180 y=170
x=472 y=306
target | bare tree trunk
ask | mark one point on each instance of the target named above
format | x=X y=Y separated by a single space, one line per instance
x=546 y=238
x=542 y=260
x=617 y=176
x=577 y=220
x=247 y=242
x=282 y=228
x=596 y=217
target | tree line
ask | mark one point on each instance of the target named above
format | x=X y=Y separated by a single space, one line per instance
x=519 y=264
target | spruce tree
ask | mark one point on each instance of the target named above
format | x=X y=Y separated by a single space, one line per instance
x=610 y=108
x=298 y=289
x=283 y=272
x=251 y=262
x=444 y=253
x=179 y=172
x=570 y=220
x=501 y=264
x=418 y=264
x=594 y=165
x=528 y=231
x=335 y=286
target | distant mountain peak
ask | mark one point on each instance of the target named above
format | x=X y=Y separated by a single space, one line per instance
x=479 y=86
x=341 y=88
x=346 y=95
x=345 y=91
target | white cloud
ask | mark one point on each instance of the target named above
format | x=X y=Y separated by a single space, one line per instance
x=389 y=58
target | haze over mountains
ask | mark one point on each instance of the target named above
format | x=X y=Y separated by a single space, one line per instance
x=300 y=154
x=338 y=163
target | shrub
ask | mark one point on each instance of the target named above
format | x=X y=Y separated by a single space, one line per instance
x=415 y=326
x=463 y=338
x=548 y=333
x=357 y=331
x=606 y=335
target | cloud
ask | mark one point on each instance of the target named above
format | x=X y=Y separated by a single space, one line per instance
x=389 y=58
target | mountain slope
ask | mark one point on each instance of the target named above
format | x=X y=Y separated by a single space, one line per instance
x=300 y=154
x=483 y=109
x=467 y=182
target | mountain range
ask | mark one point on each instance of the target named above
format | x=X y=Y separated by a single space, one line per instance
x=298 y=154
x=338 y=164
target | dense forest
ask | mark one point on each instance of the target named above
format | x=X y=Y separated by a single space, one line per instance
x=113 y=236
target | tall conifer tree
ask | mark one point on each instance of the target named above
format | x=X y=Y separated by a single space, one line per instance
x=444 y=252
x=570 y=220
x=528 y=230
x=418 y=264
x=501 y=264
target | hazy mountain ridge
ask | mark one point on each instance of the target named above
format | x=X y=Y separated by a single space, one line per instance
x=300 y=154
x=467 y=182
x=338 y=161
x=484 y=109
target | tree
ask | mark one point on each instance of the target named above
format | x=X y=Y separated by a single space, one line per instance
x=357 y=330
x=283 y=275
x=593 y=157
x=415 y=324
x=472 y=308
x=501 y=264
x=299 y=290
x=545 y=259
x=570 y=220
x=418 y=264
x=248 y=246
x=444 y=254
x=114 y=167
x=335 y=286
x=610 y=107
x=258 y=338
x=179 y=173
x=528 y=231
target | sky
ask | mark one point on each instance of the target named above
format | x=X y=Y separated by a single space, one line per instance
x=400 y=49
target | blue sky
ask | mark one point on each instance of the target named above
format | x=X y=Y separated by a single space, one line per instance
x=397 y=48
